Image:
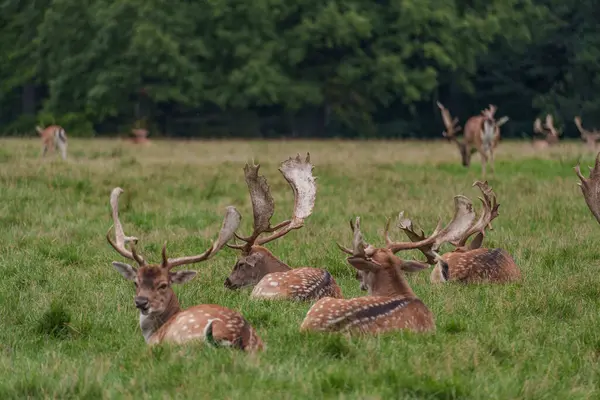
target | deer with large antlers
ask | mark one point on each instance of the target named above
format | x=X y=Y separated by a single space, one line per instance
x=390 y=305
x=590 y=187
x=590 y=137
x=468 y=263
x=481 y=133
x=547 y=130
x=258 y=267
x=161 y=318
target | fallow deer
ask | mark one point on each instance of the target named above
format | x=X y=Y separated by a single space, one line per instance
x=161 y=318
x=390 y=305
x=590 y=187
x=467 y=263
x=481 y=133
x=53 y=137
x=258 y=267
x=547 y=130
x=590 y=137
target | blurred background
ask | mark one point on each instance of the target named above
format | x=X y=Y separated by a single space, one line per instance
x=302 y=68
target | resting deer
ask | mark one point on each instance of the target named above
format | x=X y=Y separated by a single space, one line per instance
x=161 y=318
x=467 y=263
x=53 y=137
x=550 y=133
x=481 y=133
x=258 y=267
x=590 y=187
x=590 y=137
x=390 y=305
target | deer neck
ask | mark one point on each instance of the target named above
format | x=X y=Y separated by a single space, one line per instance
x=151 y=323
x=391 y=283
x=270 y=263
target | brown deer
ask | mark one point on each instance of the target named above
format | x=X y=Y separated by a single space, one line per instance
x=467 y=263
x=547 y=130
x=481 y=133
x=258 y=267
x=161 y=318
x=53 y=137
x=390 y=305
x=590 y=137
x=590 y=187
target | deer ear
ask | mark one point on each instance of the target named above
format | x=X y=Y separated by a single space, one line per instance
x=476 y=243
x=253 y=258
x=182 y=276
x=363 y=265
x=413 y=266
x=126 y=270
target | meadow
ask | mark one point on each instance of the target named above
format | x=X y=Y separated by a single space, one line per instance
x=70 y=329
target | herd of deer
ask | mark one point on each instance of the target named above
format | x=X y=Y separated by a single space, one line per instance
x=482 y=134
x=390 y=305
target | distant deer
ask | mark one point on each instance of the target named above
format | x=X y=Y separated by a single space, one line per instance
x=467 y=263
x=590 y=187
x=550 y=133
x=53 y=137
x=161 y=318
x=481 y=133
x=258 y=267
x=390 y=305
x=590 y=137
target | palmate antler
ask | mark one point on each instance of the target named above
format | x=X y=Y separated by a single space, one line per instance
x=229 y=226
x=462 y=226
x=590 y=187
x=298 y=173
x=452 y=127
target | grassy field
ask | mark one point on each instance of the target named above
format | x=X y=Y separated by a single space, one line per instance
x=69 y=328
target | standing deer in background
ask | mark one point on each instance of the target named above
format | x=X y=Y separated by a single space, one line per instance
x=161 y=318
x=590 y=137
x=467 y=263
x=590 y=187
x=258 y=267
x=481 y=133
x=53 y=137
x=550 y=133
x=390 y=305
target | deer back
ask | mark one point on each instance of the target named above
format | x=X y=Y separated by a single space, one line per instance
x=212 y=323
x=480 y=265
x=301 y=284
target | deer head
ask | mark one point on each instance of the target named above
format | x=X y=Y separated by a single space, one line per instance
x=153 y=292
x=452 y=128
x=379 y=270
x=458 y=231
x=590 y=187
x=256 y=261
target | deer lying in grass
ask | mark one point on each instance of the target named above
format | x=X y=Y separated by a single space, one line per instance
x=590 y=187
x=53 y=137
x=391 y=304
x=590 y=137
x=161 y=318
x=467 y=263
x=547 y=130
x=481 y=133
x=273 y=279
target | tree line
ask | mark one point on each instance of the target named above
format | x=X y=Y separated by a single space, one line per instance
x=307 y=68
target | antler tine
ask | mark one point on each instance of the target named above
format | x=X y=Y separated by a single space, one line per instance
x=231 y=222
x=298 y=174
x=120 y=238
x=590 y=187
x=537 y=126
x=488 y=213
x=408 y=227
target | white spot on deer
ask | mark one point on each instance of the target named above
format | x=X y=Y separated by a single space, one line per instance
x=274 y=283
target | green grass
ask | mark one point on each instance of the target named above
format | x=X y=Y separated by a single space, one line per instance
x=69 y=328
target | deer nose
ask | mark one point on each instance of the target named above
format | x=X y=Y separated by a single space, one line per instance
x=141 y=302
x=228 y=283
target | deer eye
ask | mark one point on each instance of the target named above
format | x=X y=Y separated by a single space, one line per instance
x=162 y=286
x=135 y=284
